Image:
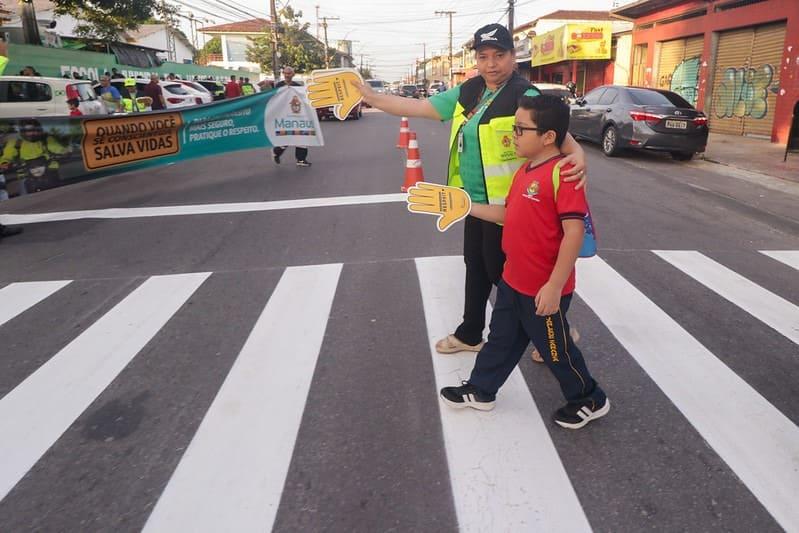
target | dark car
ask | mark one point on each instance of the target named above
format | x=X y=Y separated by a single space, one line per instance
x=409 y=91
x=639 y=118
x=214 y=87
x=327 y=112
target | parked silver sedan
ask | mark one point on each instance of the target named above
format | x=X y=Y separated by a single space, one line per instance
x=639 y=118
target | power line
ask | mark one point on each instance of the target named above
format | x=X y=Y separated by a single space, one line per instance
x=197 y=8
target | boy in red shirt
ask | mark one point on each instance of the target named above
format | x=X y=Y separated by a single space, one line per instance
x=74 y=109
x=541 y=240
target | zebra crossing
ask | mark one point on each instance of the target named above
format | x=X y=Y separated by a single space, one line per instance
x=506 y=470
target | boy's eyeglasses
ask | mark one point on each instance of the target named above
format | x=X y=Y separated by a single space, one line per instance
x=519 y=130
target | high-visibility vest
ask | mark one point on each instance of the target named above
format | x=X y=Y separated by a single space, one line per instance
x=3 y=63
x=128 y=107
x=494 y=133
x=247 y=89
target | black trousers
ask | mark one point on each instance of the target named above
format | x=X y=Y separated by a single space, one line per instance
x=482 y=253
x=513 y=325
x=300 y=152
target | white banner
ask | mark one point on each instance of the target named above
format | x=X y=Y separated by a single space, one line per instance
x=290 y=120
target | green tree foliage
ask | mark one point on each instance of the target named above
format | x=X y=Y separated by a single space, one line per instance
x=297 y=47
x=106 y=19
x=366 y=73
x=214 y=46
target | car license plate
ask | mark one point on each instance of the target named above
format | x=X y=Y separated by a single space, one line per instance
x=677 y=124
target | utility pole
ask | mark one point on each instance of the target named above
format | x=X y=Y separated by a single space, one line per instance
x=317 y=22
x=449 y=14
x=424 y=64
x=511 y=4
x=324 y=26
x=273 y=14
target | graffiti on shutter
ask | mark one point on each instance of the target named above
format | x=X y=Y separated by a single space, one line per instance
x=678 y=70
x=747 y=80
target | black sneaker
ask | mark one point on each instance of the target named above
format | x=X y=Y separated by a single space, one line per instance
x=576 y=415
x=303 y=163
x=467 y=395
x=276 y=158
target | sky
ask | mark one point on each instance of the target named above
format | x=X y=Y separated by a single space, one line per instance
x=390 y=33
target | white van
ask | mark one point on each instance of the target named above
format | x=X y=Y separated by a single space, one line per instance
x=29 y=96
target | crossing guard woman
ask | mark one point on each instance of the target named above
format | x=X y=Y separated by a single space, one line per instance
x=482 y=160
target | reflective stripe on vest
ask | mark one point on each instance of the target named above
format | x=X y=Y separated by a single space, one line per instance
x=496 y=151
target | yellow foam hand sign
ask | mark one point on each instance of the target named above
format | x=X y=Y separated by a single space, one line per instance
x=334 y=88
x=449 y=204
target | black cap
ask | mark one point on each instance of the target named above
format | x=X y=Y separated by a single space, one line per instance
x=495 y=35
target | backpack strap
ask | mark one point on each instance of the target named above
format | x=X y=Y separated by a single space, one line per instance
x=556 y=180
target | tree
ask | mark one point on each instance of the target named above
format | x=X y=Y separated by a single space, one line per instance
x=106 y=19
x=366 y=73
x=296 y=46
x=213 y=46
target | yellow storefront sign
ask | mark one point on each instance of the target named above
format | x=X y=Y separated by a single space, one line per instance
x=572 y=41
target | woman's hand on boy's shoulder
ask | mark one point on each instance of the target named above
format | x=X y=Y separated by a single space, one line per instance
x=572 y=168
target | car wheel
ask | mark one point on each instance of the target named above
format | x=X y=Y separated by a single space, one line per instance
x=682 y=156
x=610 y=141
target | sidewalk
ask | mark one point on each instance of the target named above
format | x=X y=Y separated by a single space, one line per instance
x=756 y=155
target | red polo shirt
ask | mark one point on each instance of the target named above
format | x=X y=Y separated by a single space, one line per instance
x=533 y=231
x=232 y=89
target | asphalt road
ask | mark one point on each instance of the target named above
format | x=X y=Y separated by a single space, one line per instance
x=269 y=367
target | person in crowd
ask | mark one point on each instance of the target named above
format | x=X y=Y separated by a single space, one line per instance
x=74 y=107
x=3 y=55
x=232 y=89
x=266 y=85
x=115 y=74
x=542 y=237
x=247 y=88
x=110 y=94
x=153 y=91
x=300 y=152
x=134 y=103
x=481 y=161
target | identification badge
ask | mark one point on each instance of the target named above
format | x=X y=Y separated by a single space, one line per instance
x=460 y=141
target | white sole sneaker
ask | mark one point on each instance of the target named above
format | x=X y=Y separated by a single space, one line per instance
x=480 y=406
x=588 y=418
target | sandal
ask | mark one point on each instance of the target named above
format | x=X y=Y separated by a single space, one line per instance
x=575 y=335
x=451 y=344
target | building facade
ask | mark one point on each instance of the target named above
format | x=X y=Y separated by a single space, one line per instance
x=163 y=37
x=737 y=60
x=578 y=46
x=235 y=38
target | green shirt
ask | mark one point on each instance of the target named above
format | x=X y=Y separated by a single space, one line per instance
x=471 y=164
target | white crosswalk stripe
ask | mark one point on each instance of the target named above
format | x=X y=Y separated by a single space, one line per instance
x=758 y=442
x=505 y=472
x=504 y=469
x=232 y=475
x=35 y=413
x=789 y=257
x=764 y=305
x=19 y=297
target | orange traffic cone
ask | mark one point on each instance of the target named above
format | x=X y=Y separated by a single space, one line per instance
x=402 y=142
x=413 y=167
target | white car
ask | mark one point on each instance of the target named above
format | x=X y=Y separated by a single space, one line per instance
x=177 y=95
x=29 y=96
x=198 y=89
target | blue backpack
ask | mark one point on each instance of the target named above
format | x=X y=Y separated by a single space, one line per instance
x=588 y=248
